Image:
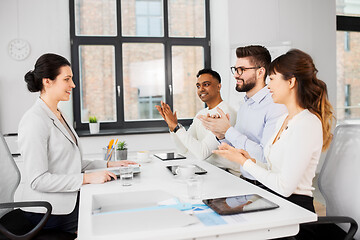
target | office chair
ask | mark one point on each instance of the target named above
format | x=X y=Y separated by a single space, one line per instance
x=338 y=183
x=13 y=223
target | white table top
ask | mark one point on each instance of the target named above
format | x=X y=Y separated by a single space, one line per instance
x=283 y=221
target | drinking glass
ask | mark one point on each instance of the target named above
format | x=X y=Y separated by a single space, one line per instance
x=194 y=187
x=126 y=175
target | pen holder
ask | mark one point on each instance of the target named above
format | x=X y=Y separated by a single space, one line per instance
x=121 y=154
x=108 y=154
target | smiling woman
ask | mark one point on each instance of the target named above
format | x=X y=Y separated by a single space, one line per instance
x=53 y=79
x=293 y=152
x=50 y=147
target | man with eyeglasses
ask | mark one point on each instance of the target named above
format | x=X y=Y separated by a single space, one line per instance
x=197 y=140
x=257 y=116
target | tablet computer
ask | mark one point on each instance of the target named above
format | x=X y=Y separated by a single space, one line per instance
x=169 y=156
x=198 y=170
x=240 y=204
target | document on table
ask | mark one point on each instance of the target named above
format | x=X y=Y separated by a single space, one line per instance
x=210 y=218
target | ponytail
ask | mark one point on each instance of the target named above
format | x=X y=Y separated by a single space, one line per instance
x=324 y=111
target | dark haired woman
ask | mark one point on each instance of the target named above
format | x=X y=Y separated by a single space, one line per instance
x=294 y=150
x=50 y=147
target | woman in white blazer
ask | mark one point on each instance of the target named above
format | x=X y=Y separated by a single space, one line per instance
x=293 y=152
x=53 y=164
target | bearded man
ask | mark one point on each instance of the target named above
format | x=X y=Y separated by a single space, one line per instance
x=257 y=116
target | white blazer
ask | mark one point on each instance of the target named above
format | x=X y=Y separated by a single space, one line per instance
x=53 y=162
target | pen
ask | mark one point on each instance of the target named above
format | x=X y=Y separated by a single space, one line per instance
x=109 y=148
x=110 y=154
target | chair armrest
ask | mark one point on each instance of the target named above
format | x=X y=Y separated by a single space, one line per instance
x=37 y=228
x=338 y=219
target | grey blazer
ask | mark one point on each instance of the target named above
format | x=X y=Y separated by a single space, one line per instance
x=53 y=162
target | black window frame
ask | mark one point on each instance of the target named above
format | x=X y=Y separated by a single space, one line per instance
x=121 y=126
x=347 y=23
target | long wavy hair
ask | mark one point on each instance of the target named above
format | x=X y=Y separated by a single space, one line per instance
x=311 y=92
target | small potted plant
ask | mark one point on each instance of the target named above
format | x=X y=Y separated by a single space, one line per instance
x=121 y=151
x=94 y=125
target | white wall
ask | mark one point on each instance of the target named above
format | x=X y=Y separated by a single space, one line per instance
x=219 y=35
x=45 y=25
x=308 y=24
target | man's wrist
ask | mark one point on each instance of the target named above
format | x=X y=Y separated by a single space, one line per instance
x=227 y=129
x=219 y=138
x=177 y=127
x=172 y=127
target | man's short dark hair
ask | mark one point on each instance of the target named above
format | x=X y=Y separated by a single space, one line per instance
x=259 y=55
x=211 y=72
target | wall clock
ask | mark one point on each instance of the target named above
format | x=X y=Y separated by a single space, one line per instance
x=19 y=49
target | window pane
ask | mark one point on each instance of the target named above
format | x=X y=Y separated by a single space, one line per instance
x=95 y=17
x=97 y=83
x=348 y=7
x=140 y=7
x=142 y=18
x=155 y=27
x=186 y=62
x=144 y=80
x=187 y=18
x=155 y=8
x=142 y=26
x=348 y=75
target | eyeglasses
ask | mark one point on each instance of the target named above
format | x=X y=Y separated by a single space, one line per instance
x=240 y=70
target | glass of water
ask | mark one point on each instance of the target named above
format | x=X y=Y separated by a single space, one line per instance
x=194 y=187
x=126 y=175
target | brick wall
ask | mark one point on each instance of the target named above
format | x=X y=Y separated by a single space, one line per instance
x=348 y=72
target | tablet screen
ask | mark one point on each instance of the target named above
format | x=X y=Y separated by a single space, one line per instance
x=239 y=204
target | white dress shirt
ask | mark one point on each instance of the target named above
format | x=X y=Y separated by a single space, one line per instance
x=291 y=160
x=255 y=124
x=200 y=142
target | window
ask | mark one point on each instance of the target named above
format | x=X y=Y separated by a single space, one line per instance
x=149 y=18
x=144 y=73
x=348 y=55
x=129 y=55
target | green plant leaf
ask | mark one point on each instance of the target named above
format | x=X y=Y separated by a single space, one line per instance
x=92 y=119
x=121 y=145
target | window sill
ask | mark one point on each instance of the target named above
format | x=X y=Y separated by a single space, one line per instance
x=107 y=132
